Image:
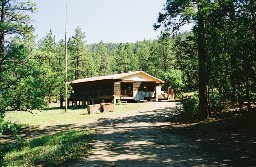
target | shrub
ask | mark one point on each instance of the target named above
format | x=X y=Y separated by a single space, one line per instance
x=7 y=127
x=2 y=154
x=190 y=106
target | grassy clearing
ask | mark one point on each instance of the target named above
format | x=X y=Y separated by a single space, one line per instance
x=46 y=118
x=51 y=150
x=54 y=149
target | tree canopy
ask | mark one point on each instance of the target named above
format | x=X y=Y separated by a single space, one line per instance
x=216 y=59
x=225 y=46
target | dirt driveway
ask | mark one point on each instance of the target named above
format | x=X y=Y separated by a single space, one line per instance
x=152 y=136
x=140 y=138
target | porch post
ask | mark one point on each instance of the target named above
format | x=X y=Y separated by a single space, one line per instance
x=114 y=99
x=156 y=96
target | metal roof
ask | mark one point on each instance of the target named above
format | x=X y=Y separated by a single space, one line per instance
x=114 y=77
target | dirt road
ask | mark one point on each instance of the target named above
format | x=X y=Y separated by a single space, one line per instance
x=140 y=138
x=152 y=134
x=153 y=137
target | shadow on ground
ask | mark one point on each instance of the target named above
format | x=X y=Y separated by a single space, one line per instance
x=158 y=138
x=230 y=139
x=150 y=139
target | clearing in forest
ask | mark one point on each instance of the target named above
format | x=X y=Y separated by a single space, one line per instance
x=142 y=134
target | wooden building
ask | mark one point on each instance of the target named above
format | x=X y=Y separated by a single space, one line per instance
x=131 y=86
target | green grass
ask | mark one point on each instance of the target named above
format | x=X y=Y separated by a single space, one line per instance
x=54 y=149
x=45 y=118
x=50 y=150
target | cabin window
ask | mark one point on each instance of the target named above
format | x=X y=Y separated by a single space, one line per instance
x=150 y=89
x=127 y=89
x=147 y=87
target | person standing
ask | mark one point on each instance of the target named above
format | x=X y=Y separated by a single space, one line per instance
x=172 y=94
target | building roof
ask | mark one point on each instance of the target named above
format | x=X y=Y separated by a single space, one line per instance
x=116 y=76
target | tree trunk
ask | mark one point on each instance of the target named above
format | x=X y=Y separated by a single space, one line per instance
x=77 y=70
x=165 y=54
x=233 y=54
x=2 y=41
x=3 y=12
x=203 y=69
x=61 y=101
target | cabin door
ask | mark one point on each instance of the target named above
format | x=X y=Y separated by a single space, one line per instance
x=127 y=89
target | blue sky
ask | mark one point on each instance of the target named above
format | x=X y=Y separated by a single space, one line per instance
x=108 y=20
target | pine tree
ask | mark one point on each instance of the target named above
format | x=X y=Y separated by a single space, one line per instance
x=103 y=58
x=13 y=21
x=78 y=55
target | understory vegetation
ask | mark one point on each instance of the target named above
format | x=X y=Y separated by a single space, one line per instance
x=50 y=150
x=8 y=127
x=190 y=106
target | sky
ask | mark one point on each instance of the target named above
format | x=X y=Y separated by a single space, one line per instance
x=112 y=21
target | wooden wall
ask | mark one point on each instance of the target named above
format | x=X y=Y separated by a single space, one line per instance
x=107 y=88
x=136 y=86
x=117 y=89
x=93 y=89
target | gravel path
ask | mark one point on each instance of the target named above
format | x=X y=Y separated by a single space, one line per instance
x=140 y=138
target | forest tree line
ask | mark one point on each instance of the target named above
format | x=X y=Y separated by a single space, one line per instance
x=225 y=38
x=44 y=66
x=217 y=59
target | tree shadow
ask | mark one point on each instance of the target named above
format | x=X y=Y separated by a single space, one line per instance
x=161 y=138
x=151 y=139
x=229 y=138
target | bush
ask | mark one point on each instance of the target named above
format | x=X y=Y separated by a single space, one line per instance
x=216 y=102
x=2 y=154
x=7 y=127
x=2 y=162
x=190 y=106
